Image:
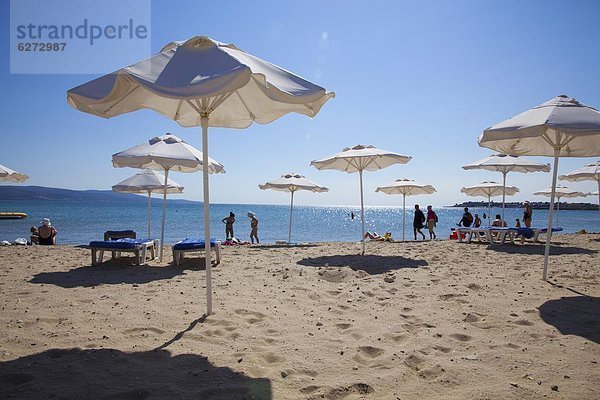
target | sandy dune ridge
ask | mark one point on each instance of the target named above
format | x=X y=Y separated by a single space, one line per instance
x=426 y=320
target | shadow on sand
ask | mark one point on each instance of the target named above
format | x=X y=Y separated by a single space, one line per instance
x=538 y=249
x=282 y=246
x=112 y=374
x=112 y=272
x=579 y=315
x=371 y=264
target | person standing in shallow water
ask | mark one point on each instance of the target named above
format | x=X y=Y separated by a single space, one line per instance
x=228 y=221
x=418 y=222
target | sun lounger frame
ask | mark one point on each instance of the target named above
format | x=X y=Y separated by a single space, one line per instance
x=499 y=235
x=180 y=253
x=140 y=252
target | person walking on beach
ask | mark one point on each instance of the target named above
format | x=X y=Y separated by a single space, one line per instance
x=228 y=221
x=253 y=227
x=477 y=221
x=432 y=220
x=527 y=214
x=418 y=222
x=467 y=219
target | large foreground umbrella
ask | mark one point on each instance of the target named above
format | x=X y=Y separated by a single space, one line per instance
x=591 y=172
x=358 y=159
x=560 y=192
x=561 y=127
x=504 y=164
x=166 y=153
x=9 y=175
x=293 y=183
x=489 y=190
x=405 y=187
x=202 y=82
x=147 y=181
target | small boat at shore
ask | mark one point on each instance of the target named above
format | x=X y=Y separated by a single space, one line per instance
x=12 y=215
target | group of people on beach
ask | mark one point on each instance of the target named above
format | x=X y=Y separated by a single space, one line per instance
x=230 y=220
x=44 y=234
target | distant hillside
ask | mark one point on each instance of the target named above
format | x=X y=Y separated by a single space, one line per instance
x=29 y=193
x=537 y=205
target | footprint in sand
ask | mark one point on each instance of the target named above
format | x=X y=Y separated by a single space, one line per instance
x=370 y=351
x=523 y=322
x=432 y=372
x=251 y=316
x=340 y=392
x=460 y=337
x=414 y=362
x=343 y=326
x=272 y=358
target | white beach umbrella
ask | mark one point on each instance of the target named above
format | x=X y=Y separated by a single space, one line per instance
x=9 y=175
x=202 y=82
x=560 y=192
x=489 y=189
x=405 y=187
x=504 y=164
x=166 y=153
x=561 y=127
x=590 y=172
x=358 y=159
x=147 y=181
x=293 y=183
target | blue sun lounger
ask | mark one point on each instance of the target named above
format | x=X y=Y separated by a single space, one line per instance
x=190 y=245
x=139 y=247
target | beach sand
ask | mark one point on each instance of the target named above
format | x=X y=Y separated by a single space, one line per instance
x=423 y=320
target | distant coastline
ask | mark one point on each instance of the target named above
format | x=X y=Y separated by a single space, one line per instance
x=537 y=205
x=41 y=193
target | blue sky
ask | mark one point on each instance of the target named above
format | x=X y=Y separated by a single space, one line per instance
x=421 y=78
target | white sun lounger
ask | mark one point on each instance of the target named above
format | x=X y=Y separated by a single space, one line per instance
x=195 y=246
x=139 y=247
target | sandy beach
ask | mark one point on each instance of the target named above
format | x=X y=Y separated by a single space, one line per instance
x=427 y=320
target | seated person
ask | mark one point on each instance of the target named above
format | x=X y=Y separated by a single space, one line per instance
x=498 y=222
x=518 y=223
x=35 y=235
x=47 y=233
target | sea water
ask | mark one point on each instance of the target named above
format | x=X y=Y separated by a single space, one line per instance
x=79 y=223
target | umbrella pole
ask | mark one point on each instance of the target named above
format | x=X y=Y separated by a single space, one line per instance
x=557 y=209
x=362 y=212
x=550 y=215
x=403 y=213
x=503 y=193
x=162 y=229
x=149 y=200
x=490 y=211
x=291 y=209
x=207 y=255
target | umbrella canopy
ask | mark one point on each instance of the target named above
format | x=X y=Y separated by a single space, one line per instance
x=147 y=181
x=9 y=175
x=167 y=153
x=591 y=172
x=358 y=159
x=405 y=187
x=489 y=189
x=202 y=82
x=504 y=164
x=560 y=192
x=560 y=127
x=293 y=183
